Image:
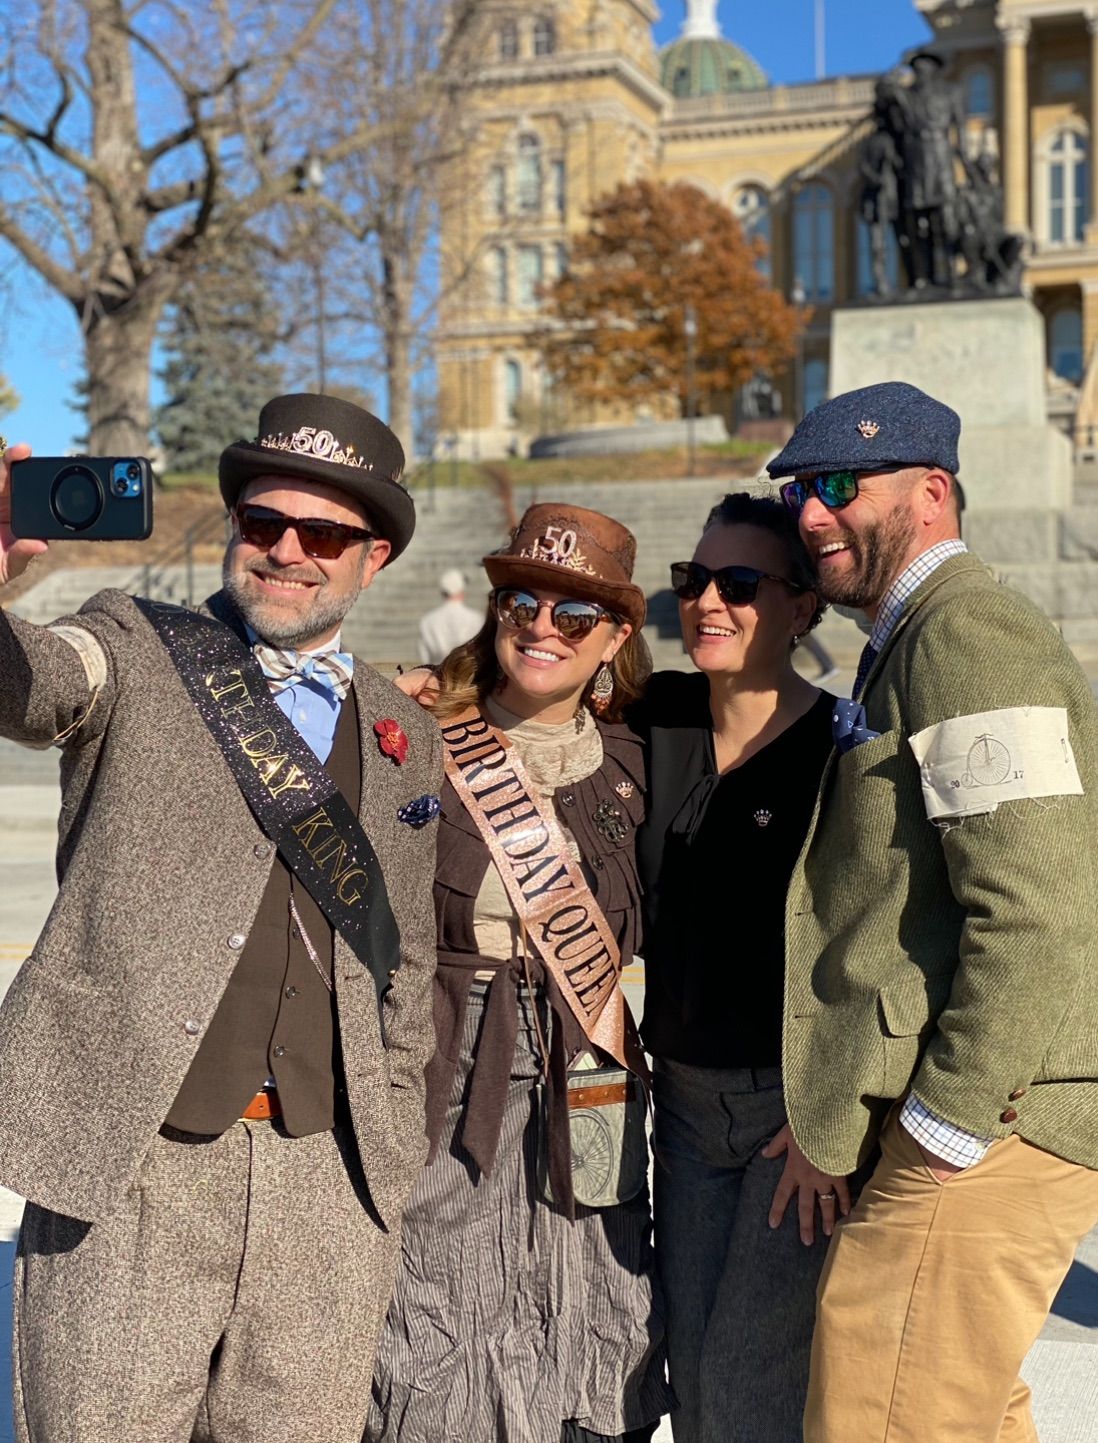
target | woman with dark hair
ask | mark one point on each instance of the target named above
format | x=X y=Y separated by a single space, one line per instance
x=524 y=1308
x=735 y=755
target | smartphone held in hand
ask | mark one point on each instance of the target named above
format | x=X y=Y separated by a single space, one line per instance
x=81 y=498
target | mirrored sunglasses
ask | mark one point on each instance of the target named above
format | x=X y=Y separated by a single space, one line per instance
x=322 y=540
x=736 y=585
x=834 y=489
x=572 y=620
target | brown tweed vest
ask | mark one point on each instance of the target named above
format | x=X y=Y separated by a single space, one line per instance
x=276 y=1017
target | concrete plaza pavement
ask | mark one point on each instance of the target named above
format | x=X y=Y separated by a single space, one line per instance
x=1062 y=1368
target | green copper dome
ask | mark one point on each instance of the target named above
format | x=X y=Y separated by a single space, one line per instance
x=708 y=66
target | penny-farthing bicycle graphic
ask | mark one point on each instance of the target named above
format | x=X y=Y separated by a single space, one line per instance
x=592 y=1150
x=988 y=763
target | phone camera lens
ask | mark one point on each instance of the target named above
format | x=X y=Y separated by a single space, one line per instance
x=133 y=471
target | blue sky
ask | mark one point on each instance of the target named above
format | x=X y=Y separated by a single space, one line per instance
x=41 y=354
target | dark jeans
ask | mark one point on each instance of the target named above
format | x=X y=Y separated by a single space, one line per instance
x=740 y=1298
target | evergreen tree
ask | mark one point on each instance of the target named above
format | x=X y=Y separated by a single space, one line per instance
x=220 y=342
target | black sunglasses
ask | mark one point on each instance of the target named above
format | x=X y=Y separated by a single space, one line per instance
x=572 y=619
x=322 y=540
x=834 y=488
x=737 y=585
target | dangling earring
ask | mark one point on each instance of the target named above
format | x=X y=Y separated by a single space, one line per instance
x=602 y=690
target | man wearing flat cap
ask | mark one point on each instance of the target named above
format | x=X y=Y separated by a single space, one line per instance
x=212 y=1066
x=940 y=936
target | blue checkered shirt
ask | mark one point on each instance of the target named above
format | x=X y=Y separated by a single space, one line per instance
x=938 y=1136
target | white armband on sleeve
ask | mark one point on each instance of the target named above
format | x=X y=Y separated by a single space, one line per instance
x=972 y=764
x=94 y=661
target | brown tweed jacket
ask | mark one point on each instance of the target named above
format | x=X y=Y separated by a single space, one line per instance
x=160 y=864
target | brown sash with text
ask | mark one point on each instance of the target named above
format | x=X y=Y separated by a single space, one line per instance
x=546 y=886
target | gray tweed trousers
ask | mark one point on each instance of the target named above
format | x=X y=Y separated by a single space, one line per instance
x=235 y=1298
x=740 y=1298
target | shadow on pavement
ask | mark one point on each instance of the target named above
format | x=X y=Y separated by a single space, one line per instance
x=1077 y=1300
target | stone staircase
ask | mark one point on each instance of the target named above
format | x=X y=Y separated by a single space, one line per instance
x=456 y=527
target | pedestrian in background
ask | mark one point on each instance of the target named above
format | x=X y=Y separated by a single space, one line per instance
x=941 y=935
x=450 y=624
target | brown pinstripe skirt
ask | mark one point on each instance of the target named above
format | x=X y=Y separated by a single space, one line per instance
x=507 y=1319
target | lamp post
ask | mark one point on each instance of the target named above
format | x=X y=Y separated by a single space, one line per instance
x=314 y=180
x=798 y=297
x=690 y=331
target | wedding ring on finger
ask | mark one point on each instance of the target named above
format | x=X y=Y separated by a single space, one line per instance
x=826 y=1196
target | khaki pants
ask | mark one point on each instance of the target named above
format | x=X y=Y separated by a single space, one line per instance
x=933 y=1293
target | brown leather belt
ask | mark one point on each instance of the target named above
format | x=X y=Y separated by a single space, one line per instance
x=263 y=1106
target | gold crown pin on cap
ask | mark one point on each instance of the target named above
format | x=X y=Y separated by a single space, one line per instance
x=868 y=429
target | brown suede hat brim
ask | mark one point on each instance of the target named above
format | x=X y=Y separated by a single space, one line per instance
x=620 y=597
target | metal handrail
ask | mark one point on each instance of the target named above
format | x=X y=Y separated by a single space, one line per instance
x=179 y=553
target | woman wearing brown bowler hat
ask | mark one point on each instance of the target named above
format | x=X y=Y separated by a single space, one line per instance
x=524 y=1309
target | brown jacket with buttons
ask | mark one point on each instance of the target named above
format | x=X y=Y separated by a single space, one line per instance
x=162 y=868
x=957 y=961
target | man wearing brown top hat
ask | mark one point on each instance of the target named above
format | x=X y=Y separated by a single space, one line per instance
x=211 y=1068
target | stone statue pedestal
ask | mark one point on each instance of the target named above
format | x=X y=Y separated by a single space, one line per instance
x=986 y=359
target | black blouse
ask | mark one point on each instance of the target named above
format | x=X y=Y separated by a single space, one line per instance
x=715 y=855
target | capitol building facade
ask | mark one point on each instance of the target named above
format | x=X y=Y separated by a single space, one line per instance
x=569 y=98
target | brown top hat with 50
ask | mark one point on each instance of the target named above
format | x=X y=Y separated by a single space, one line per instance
x=578 y=553
x=321 y=438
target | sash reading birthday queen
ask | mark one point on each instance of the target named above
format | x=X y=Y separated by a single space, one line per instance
x=546 y=886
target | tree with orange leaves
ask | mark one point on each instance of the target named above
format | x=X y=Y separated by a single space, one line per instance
x=654 y=255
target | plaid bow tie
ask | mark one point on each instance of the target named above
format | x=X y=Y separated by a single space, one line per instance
x=284 y=668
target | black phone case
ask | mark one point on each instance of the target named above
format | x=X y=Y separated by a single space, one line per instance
x=120 y=519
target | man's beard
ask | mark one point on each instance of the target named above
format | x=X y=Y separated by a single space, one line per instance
x=879 y=552
x=325 y=611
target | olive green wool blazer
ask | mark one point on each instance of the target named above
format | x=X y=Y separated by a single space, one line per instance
x=956 y=960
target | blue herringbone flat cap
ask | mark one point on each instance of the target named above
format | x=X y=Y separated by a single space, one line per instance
x=892 y=424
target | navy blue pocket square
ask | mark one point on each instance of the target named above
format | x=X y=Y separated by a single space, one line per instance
x=418 y=813
x=848 y=725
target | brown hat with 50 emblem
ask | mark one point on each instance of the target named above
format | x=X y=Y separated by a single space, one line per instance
x=578 y=553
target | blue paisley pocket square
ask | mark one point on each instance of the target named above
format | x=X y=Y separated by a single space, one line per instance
x=418 y=813
x=848 y=725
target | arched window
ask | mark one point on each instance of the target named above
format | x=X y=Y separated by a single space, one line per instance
x=545 y=35
x=1065 y=344
x=501 y=291
x=1067 y=187
x=508 y=40
x=814 y=242
x=978 y=93
x=560 y=189
x=866 y=281
x=751 y=208
x=529 y=276
x=497 y=191
x=512 y=389
x=529 y=174
x=815 y=383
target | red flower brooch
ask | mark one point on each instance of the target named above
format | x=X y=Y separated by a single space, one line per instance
x=392 y=740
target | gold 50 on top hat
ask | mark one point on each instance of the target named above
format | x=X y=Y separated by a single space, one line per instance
x=577 y=553
x=321 y=438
